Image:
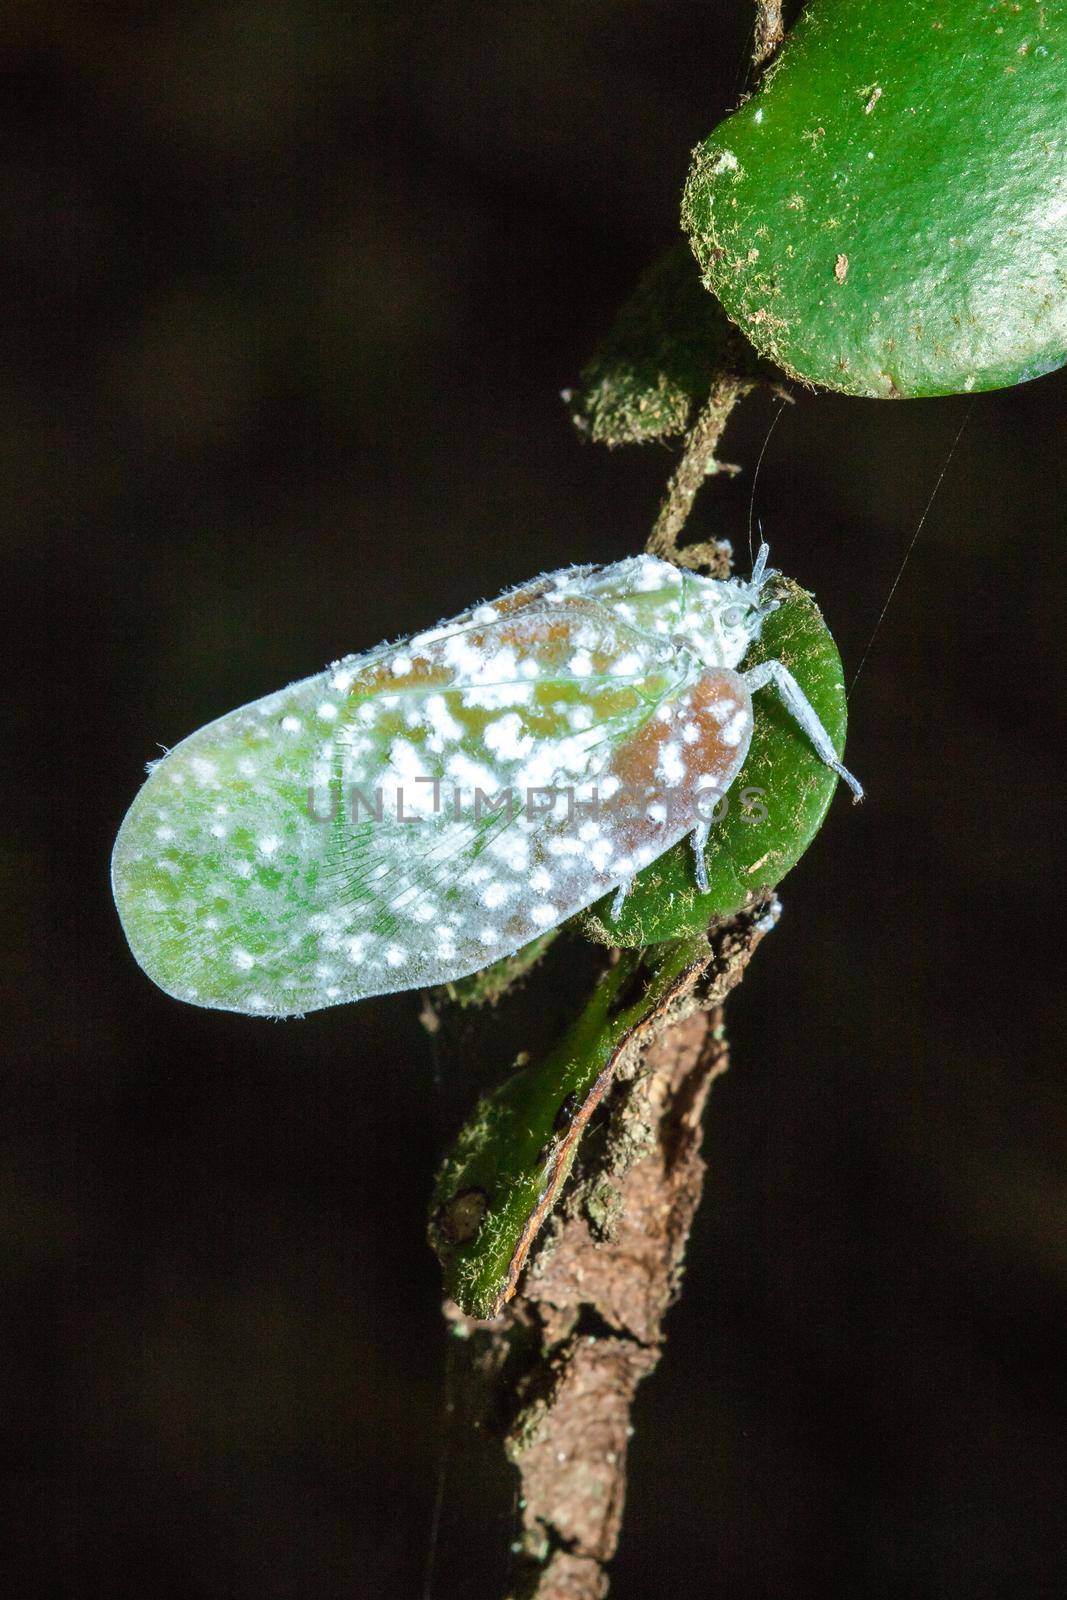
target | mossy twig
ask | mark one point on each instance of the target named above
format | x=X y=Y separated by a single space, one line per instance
x=698 y=462
x=770 y=31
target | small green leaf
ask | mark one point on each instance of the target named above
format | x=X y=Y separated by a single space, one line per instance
x=774 y=808
x=656 y=366
x=885 y=215
x=492 y=983
x=502 y=1176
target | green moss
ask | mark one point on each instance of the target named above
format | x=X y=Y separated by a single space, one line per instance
x=657 y=365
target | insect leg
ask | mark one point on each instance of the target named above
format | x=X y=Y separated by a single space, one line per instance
x=800 y=708
x=620 y=896
x=699 y=838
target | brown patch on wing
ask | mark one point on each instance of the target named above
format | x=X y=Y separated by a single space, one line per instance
x=719 y=706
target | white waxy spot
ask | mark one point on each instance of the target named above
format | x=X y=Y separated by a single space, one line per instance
x=394 y=956
x=355 y=948
x=164 y=834
x=243 y=960
x=564 y=847
x=544 y=915
x=600 y=854
x=291 y=724
x=494 y=895
x=400 y=668
x=540 y=880
x=627 y=666
x=487 y=936
x=506 y=739
x=734 y=731
x=327 y=711
x=440 y=718
x=581 y=664
x=648 y=576
x=690 y=733
x=671 y=767
x=512 y=849
x=269 y=844
x=468 y=774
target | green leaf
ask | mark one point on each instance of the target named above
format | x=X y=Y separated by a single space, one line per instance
x=885 y=216
x=774 y=808
x=491 y=983
x=505 y=1171
x=656 y=366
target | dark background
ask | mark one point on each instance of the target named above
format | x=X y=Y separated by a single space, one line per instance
x=288 y=295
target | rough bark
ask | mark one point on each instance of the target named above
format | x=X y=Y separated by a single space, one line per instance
x=553 y=1378
x=770 y=31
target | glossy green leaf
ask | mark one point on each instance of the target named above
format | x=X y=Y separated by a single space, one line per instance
x=774 y=808
x=886 y=215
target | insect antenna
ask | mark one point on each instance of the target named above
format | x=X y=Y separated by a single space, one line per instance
x=911 y=545
x=755 y=476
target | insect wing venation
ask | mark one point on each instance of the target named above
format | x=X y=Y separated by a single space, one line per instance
x=328 y=841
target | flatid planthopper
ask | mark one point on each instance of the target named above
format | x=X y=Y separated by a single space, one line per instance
x=411 y=815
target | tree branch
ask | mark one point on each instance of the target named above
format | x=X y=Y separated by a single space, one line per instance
x=770 y=31
x=698 y=462
x=553 y=1378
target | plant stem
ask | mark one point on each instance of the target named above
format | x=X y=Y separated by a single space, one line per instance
x=553 y=1377
x=770 y=31
x=698 y=462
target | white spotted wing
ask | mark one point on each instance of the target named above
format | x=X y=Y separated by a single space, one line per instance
x=411 y=816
